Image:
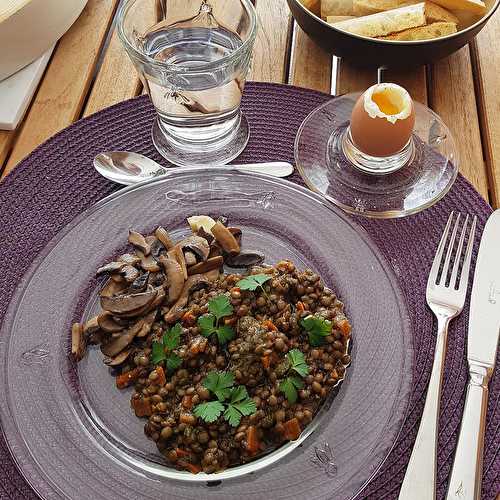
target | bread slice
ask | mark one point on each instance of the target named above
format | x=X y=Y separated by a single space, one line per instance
x=474 y=6
x=435 y=30
x=336 y=8
x=337 y=19
x=433 y=12
x=368 y=7
x=313 y=5
x=385 y=23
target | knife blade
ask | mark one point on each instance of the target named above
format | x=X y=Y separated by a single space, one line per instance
x=484 y=317
x=482 y=342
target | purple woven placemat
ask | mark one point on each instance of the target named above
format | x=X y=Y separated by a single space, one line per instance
x=57 y=182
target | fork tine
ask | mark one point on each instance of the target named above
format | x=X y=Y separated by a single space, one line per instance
x=454 y=273
x=446 y=264
x=464 y=278
x=439 y=252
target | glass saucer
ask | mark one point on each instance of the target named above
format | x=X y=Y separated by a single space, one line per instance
x=384 y=192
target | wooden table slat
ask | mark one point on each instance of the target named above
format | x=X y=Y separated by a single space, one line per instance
x=452 y=96
x=486 y=64
x=270 y=57
x=311 y=66
x=6 y=139
x=62 y=92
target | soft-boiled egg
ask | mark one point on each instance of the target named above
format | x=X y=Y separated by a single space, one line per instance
x=382 y=120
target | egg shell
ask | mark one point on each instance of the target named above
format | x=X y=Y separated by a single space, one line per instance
x=377 y=136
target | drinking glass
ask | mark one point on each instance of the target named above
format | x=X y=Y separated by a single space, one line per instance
x=193 y=58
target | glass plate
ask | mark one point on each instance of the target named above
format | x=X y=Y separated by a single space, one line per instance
x=73 y=434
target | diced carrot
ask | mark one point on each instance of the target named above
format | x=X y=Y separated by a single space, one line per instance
x=128 y=378
x=236 y=289
x=162 y=379
x=270 y=325
x=345 y=327
x=142 y=407
x=266 y=361
x=193 y=468
x=198 y=344
x=253 y=444
x=182 y=453
x=301 y=306
x=292 y=429
x=188 y=319
x=187 y=402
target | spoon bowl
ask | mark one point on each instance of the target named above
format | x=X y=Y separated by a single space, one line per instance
x=126 y=168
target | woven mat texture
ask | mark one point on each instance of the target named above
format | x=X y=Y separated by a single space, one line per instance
x=57 y=182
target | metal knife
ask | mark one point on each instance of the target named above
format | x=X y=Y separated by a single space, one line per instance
x=482 y=342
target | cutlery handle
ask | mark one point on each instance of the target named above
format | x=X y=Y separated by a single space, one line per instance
x=467 y=470
x=420 y=479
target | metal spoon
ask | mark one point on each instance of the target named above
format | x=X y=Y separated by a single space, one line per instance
x=127 y=168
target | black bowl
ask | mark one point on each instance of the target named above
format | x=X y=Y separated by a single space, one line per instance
x=372 y=52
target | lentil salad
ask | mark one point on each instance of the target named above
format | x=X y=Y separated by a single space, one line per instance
x=225 y=367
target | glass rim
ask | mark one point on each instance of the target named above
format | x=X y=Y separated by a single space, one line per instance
x=174 y=68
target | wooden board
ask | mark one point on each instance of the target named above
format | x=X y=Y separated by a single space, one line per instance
x=62 y=92
x=270 y=59
x=310 y=66
x=452 y=96
x=486 y=61
x=6 y=139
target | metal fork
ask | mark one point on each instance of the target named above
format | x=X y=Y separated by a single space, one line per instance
x=446 y=300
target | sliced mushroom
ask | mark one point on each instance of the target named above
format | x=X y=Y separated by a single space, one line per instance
x=148 y=307
x=175 y=277
x=112 y=267
x=162 y=234
x=204 y=234
x=177 y=255
x=157 y=249
x=129 y=259
x=148 y=263
x=112 y=288
x=140 y=283
x=237 y=233
x=190 y=258
x=208 y=265
x=125 y=303
x=138 y=240
x=129 y=273
x=121 y=342
x=91 y=326
x=78 y=346
x=225 y=239
x=196 y=244
x=148 y=321
x=191 y=284
x=157 y=279
x=215 y=250
x=118 y=278
x=245 y=259
x=108 y=324
x=118 y=359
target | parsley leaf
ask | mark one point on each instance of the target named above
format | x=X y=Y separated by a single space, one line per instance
x=209 y=412
x=173 y=362
x=298 y=362
x=253 y=282
x=162 y=351
x=237 y=402
x=239 y=405
x=289 y=387
x=219 y=383
x=172 y=338
x=318 y=328
x=206 y=324
x=158 y=354
x=220 y=307
x=224 y=334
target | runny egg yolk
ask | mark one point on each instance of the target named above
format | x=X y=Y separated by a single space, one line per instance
x=384 y=103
